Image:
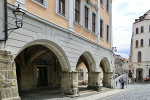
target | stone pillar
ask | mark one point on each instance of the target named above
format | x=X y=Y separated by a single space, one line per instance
x=94 y=81
x=8 y=79
x=108 y=82
x=69 y=83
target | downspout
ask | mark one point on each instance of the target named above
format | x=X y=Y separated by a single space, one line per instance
x=5 y=10
x=5 y=22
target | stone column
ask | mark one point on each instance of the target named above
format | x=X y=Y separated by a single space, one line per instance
x=94 y=81
x=69 y=83
x=109 y=80
x=8 y=79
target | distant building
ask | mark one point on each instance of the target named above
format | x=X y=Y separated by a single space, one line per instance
x=140 y=47
x=121 y=64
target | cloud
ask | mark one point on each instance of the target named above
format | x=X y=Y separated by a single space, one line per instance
x=124 y=13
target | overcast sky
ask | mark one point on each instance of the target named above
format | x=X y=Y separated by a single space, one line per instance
x=124 y=13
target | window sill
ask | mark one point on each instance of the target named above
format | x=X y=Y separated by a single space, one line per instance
x=107 y=42
x=102 y=38
x=63 y=16
x=40 y=4
x=78 y=24
x=102 y=5
x=107 y=12
x=94 y=33
x=86 y=29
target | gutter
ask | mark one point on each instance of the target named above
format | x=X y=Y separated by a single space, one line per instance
x=5 y=21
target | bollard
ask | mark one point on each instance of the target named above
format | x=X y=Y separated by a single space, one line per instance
x=116 y=83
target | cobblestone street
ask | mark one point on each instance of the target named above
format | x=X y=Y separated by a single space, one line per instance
x=137 y=91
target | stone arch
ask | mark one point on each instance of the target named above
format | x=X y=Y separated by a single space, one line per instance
x=107 y=75
x=139 y=74
x=55 y=48
x=88 y=60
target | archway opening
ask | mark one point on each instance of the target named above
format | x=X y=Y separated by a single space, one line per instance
x=139 y=75
x=84 y=65
x=105 y=73
x=37 y=67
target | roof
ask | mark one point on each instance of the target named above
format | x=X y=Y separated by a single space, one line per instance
x=146 y=16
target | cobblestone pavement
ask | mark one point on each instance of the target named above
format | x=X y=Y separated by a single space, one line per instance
x=137 y=91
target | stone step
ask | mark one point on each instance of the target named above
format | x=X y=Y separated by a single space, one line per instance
x=87 y=92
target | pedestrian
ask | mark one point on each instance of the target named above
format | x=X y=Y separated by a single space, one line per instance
x=123 y=81
x=120 y=80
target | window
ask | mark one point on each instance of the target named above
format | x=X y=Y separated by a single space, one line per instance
x=149 y=28
x=40 y=1
x=102 y=2
x=136 y=43
x=142 y=29
x=141 y=42
x=107 y=34
x=139 y=56
x=93 y=22
x=101 y=28
x=61 y=7
x=107 y=6
x=149 y=42
x=81 y=74
x=137 y=30
x=86 y=17
x=77 y=11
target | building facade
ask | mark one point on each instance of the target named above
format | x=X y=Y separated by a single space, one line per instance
x=140 y=46
x=61 y=44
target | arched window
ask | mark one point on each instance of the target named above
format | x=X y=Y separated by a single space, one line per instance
x=136 y=43
x=137 y=30
x=141 y=42
x=80 y=74
x=142 y=29
x=139 y=56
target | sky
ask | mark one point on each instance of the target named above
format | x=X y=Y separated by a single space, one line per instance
x=124 y=13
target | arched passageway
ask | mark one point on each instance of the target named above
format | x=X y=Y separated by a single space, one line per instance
x=87 y=75
x=37 y=67
x=139 y=74
x=105 y=75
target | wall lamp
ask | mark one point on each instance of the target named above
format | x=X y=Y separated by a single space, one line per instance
x=114 y=48
x=18 y=20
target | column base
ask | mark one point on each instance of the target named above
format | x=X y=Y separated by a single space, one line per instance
x=96 y=88
x=70 y=91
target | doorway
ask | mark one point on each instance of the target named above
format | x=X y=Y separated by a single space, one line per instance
x=41 y=76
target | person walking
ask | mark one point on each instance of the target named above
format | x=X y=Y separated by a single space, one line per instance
x=122 y=81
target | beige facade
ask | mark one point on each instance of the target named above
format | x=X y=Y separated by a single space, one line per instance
x=55 y=49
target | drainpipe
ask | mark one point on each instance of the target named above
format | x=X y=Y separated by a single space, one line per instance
x=5 y=21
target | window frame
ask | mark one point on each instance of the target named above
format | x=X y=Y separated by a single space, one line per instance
x=80 y=73
x=136 y=44
x=102 y=26
x=93 y=22
x=142 y=42
x=102 y=4
x=137 y=30
x=44 y=4
x=57 y=9
x=142 y=29
x=77 y=10
x=86 y=18
x=107 y=6
x=139 y=56
x=107 y=33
